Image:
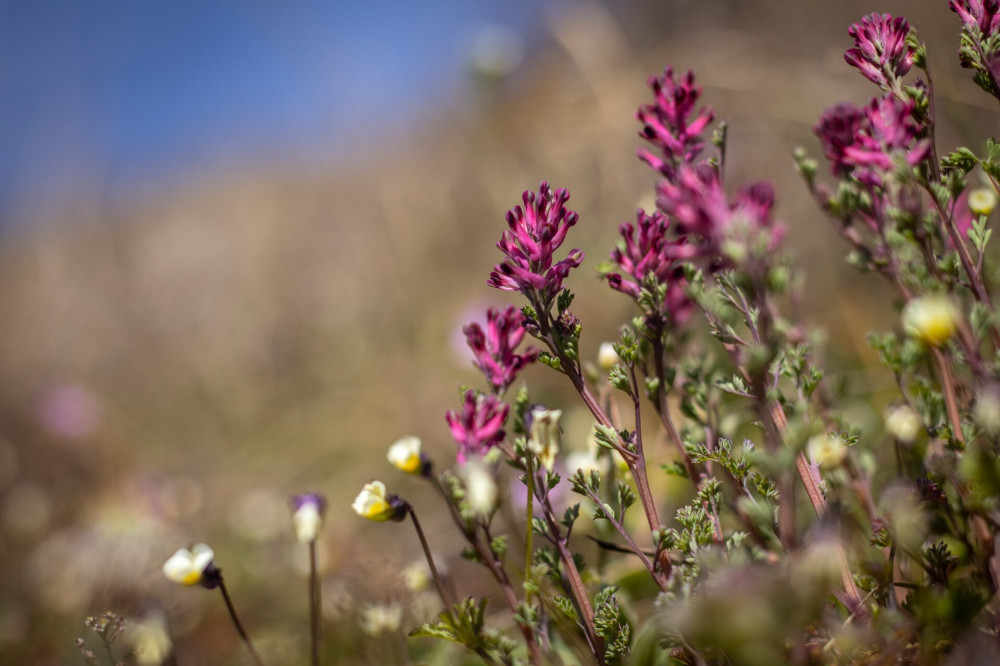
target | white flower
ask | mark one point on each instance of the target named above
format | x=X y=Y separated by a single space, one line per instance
x=416 y=576
x=404 y=454
x=308 y=516
x=480 y=487
x=373 y=503
x=544 y=436
x=188 y=566
x=903 y=423
x=933 y=319
x=586 y=461
x=982 y=200
x=378 y=619
x=607 y=356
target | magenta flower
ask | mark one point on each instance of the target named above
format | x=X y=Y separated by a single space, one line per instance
x=479 y=426
x=714 y=225
x=535 y=233
x=889 y=134
x=880 y=50
x=982 y=14
x=494 y=347
x=647 y=250
x=836 y=130
x=667 y=125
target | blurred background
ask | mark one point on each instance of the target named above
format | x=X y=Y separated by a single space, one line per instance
x=238 y=242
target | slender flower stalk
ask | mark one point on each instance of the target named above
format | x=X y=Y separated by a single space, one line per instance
x=307 y=517
x=197 y=567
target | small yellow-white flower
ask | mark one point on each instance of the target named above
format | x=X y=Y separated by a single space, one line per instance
x=982 y=200
x=903 y=423
x=307 y=516
x=404 y=454
x=544 y=435
x=416 y=576
x=188 y=566
x=373 y=503
x=933 y=319
x=151 y=641
x=607 y=356
x=827 y=450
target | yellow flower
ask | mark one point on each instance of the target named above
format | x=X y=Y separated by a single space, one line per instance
x=373 y=503
x=543 y=435
x=933 y=319
x=188 y=566
x=404 y=454
x=982 y=200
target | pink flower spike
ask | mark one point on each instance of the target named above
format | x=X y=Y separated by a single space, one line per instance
x=667 y=123
x=494 y=348
x=880 y=50
x=536 y=232
x=981 y=14
x=479 y=426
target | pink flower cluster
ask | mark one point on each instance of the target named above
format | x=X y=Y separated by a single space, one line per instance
x=535 y=233
x=479 y=426
x=870 y=142
x=667 y=123
x=983 y=15
x=494 y=347
x=880 y=50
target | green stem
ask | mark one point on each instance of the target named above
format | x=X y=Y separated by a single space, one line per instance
x=314 y=604
x=529 y=531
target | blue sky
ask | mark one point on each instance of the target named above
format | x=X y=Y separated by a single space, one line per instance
x=115 y=94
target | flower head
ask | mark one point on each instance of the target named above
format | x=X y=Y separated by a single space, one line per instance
x=405 y=455
x=983 y=15
x=494 y=347
x=982 y=200
x=836 y=130
x=193 y=567
x=903 y=423
x=646 y=251
x=717 y=228
x=544 y=434
x=607 y=356
x=374 y=504
x=668 y=124
x=479 y=426
x=307 y=516
x=827 y=450
x=880 y=50
x=889 y=134
x=535 y=233
x=933 y=319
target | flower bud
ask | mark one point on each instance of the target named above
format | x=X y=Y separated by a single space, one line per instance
x=373 y=503
x=405 y=455
x=933 y=319
x=307 y=516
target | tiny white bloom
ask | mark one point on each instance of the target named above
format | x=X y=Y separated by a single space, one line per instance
x=480 y=486
x=607 y=356
x=544 y=435
x=378 y=619
x=827 y=450
x=982 y=200
x=188 y=566
x=404 y=454
x=903 y=423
